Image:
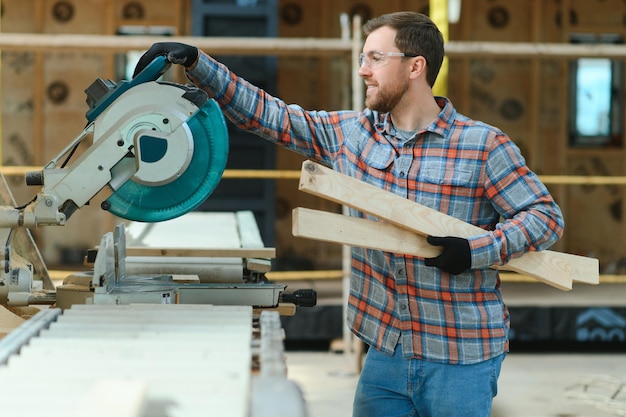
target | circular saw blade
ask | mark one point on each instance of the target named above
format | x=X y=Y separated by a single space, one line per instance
x=139 y=202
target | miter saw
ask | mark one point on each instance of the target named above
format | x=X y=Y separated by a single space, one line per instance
x=160 y=149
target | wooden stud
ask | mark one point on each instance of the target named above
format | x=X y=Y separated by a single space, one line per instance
x=353 y=231
x=206 y=253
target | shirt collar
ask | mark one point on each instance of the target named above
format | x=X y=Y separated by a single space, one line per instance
x=444 y=123
x=441 y=126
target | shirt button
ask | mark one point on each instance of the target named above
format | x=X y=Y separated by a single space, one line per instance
x=402 y=173
x=403 y=307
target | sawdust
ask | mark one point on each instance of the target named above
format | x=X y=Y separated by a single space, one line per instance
x=8 y=321
x=24 y=312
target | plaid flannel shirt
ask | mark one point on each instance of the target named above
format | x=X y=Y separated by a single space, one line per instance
x=458 y=166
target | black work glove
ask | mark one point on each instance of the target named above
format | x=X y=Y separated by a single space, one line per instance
x=456 y=256
x=176 y=53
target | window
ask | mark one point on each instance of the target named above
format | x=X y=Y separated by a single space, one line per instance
x=596 y=90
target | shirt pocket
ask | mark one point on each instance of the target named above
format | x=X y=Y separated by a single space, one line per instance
x=460 y=176
x=378 y=156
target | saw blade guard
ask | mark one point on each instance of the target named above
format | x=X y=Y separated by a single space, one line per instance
x=137 y=201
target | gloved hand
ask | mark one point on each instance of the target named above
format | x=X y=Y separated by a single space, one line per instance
x=176 y=53
x=456 y=256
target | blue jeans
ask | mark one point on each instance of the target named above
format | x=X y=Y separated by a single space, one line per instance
x=390 y=386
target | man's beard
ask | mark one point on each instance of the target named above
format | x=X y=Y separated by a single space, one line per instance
x=386 y=99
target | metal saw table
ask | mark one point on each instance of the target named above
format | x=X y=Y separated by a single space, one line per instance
x=199 y=258
x=147 y=360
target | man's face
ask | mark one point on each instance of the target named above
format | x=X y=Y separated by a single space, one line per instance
x=385 y=76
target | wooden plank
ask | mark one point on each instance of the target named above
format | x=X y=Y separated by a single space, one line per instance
x=345 y=230
x=259 y=265
x=185 y=278
x=284 y=309
x=47 y=42
x=326 y=274
x=203 y=253
x=337 y=228
x=553 y=268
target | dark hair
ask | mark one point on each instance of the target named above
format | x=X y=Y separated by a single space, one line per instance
x=415 y=34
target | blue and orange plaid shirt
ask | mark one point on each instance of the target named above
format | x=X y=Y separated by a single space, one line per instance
x=458 y=166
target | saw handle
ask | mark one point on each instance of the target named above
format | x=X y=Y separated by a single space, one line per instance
x=152 y=71
x=301 y=298
x=101 y=93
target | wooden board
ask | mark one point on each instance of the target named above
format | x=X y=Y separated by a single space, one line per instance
x=284 y=309
x=208 y=253
x=553 y=268
x=345 y=230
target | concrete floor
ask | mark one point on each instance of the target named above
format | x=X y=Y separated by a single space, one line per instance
x=531 y=385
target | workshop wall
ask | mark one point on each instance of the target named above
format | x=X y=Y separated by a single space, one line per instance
x=529 y=99
x=316 y=83
x=43 y=101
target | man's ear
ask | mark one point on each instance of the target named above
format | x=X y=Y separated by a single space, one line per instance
x=419 y=67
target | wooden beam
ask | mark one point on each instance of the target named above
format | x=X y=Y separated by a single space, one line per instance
x=203 y=253
x=284 y=309
x=47 y=42
x=538 y=50
x=553 y=268
x=215 y=45
x=352 y=231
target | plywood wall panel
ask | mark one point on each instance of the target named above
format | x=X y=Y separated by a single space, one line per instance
x=43 y=99
x=302 y=80
x=499 y=20
x=605 y=15
x=305 y=81
x=66 y=76
x=551 y=110
x=366 y=9
x=19 y=16
x=500 y=97
x=300 y=19
x=551 y=24
x=151 y=12
x=421 y=6
x=75 y=16
x=595 y=211
x=18 y=107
